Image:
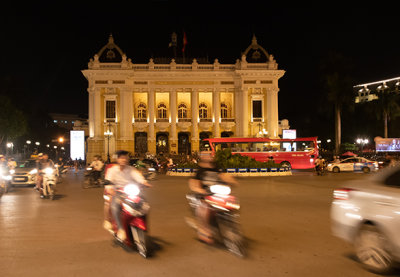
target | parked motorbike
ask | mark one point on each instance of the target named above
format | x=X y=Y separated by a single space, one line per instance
x=224 y=217
x=49 y=183
x=134 y=218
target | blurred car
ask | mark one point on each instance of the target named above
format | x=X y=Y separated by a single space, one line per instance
x=24 y=173
x=366 y=213
x=353 y=164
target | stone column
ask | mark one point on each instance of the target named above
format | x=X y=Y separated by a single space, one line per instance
x=91 y=118
x=98 y=118
x=272 y=113
x=237 y=113
x=126 y=113
x=151 y=136
x=195 y=115
x=245 y=113
x=173 y=110
x=217 y=112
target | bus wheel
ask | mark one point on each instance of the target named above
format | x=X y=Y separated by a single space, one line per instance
x=285 y=164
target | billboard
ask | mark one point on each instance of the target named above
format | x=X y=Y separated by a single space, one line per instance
x=289 y=134
x=387 y=144
x=77 y=144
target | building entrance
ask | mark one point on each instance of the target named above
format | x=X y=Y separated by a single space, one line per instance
x=140 y=142
x=184 y=146
x=162 y=145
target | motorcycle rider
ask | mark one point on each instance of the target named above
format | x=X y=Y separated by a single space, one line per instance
x=120 y=175
x=207 y=174
x=43 y=163
x=319 y=164
x=97 y=166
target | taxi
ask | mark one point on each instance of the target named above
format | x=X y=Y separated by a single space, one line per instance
x=353 y=164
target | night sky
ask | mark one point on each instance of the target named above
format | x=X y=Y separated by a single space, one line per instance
x=44 y=48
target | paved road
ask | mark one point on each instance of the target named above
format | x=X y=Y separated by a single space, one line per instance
x=285 y=219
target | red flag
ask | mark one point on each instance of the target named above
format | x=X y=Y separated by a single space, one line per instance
x=184 y=41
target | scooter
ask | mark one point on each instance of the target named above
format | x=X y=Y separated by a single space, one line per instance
x=133 y=216
x=90 y=181
x=49 y=183
x=224 y=217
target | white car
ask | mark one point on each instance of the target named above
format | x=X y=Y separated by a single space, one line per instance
x=353 y=164
x=366 y=213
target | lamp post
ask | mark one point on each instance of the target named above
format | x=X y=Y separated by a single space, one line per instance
x=28 y=142
x=108 y=134
x=10 y=145
x=362 y=142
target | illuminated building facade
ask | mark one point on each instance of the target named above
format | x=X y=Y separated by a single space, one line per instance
x=170 y=107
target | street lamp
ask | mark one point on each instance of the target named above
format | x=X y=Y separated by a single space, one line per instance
x=10 y=145
x=362 y=142
x=108 y=134
x=37 y=143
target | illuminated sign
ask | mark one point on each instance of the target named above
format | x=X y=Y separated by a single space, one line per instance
x=77 y=143
x=387 y=144
x=289 y=134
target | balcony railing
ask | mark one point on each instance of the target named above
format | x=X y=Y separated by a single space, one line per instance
x=227 y=120
x=257 y=119
x=184 y=120
x=205 y=120
x=162 y=120
x=140 y=119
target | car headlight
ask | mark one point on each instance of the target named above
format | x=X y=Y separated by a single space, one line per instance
x=48 y=170
x=12 y=171
x=8 y=177
x=33 y=171
x=329 y=164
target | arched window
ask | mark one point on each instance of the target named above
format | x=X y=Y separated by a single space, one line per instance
x=224 y=110
x=142 y=111
x=162 y=110
x=182 y=110
x=203 y=110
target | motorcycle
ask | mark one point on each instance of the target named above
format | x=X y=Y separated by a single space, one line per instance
x=224 y=217
x=133 y=215
x=49 y=183
x=5 y=180
x=320 y=170
x=90 y=181
x=60 y=171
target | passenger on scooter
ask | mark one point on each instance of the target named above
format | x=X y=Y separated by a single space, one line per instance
x=119 y=176
x=207 y=174
x=43 y=163
x=97 y=167
x=319 y=164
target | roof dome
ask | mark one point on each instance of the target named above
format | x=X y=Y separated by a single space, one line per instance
x=255 y=53
x=110 y=53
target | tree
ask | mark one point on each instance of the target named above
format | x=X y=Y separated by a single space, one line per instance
x=13 y=123
x=386 y=106
x=338 y=84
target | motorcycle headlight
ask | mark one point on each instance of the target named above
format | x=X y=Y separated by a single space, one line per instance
x=152 y=169
x=33 y=171
x=89 y=168
x=220 y=189
x=48 y=170
x=131 y=190
x=12 y=171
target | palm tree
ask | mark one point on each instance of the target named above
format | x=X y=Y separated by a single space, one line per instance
x=386 y=106
x=335 y=69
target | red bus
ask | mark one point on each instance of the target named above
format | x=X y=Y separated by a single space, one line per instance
x=298 y=153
